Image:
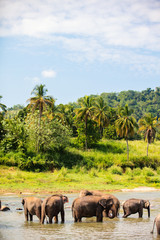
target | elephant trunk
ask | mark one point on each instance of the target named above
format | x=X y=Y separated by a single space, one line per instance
x=149 y=211
x=111 y=214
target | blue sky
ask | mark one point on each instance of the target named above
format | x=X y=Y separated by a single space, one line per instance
x=78 y=48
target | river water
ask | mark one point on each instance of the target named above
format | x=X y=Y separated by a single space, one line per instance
x=14 y=227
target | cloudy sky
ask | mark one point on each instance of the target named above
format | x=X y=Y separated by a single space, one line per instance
x=78 y=48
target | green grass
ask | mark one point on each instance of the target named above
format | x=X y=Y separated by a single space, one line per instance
x=67 y=180
x=104 y=168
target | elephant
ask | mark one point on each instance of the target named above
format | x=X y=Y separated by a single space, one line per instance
x=114 y=211
x=52 y=206
x=157 y=222
x=90 y=206
x=32 y=206
x=134 y=205
x=3 y=208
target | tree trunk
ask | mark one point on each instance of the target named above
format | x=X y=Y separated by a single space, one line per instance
x=38 y=137
x=86 y=145
x=127 y=149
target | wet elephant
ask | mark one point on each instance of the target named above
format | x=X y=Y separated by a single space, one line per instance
x=114 y=211
x=133 y=205
x=157 y=222
x=32 y=206
x=52 y=206
x=90 y=206
x=4 y=208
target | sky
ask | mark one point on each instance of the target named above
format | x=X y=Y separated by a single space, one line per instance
x=78 y=48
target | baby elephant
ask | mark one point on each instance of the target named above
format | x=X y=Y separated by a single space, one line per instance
x=32 y=206
x=134 y=205
x=90 y=206
x=157 y=221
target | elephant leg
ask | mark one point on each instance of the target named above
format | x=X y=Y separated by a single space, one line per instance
x=26 y=214
x=56 y=219
x=38 y=213
x=126 y=213
x=50 y=219
x=99 y=217
x=140 y=212
x=79 y=219
x=31 y=217
x=62 y=216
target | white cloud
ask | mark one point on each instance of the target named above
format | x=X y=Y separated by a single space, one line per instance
x=92 y=29
x=48 y=74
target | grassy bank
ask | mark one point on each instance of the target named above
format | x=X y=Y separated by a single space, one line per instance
x=105 y=168
x=65 y=180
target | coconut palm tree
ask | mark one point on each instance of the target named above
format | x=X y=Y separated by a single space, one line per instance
x=148 y=125
x=2 y=106
x=101 y=114
x=125 y=125
x=40 y=102
x=84 y=113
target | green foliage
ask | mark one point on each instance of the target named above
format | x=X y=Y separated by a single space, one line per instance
x=115 y=170
x=15 y=135
x=148 y=171
x=141 y=102
x=92 y=135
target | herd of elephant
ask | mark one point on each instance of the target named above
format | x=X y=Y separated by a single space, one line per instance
x=88 y=204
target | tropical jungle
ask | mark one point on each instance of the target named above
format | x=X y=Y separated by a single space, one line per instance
x=109 y=141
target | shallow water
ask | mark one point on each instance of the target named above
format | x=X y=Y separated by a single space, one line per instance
x=14 y=227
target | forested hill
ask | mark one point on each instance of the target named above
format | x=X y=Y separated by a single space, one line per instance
x=141 y=102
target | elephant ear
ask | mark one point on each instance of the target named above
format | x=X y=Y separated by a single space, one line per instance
x=65 y=199
x=106 y=202
x=146 y=204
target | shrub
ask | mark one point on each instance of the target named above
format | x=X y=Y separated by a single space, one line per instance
x=137 y=171
x=115 y=170
x=128 y=171
x=148 y=172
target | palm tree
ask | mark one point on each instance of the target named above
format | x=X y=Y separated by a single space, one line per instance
x=125 y=124
x=85 y=112
x=147 y=125
x=101 y=114
x=40 y=102
x=2 y=106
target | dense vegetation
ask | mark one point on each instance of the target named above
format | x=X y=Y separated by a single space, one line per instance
x=89 y=133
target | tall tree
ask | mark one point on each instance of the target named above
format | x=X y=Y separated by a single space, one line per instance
x=2 y=106
x=40 y=102
x=85 y=112
x=125 y=125
x=148 y=125
x=101 y=114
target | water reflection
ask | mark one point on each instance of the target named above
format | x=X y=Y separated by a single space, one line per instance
x=13 y=225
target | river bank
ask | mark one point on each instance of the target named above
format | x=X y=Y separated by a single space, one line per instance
x=13 y=180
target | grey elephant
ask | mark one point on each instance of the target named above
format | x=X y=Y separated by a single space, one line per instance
x=90 y=206
x=157 y=222
x=52 y=206
x=133 y=205
x=114 y=211
x=4 y=208
x=32 y=206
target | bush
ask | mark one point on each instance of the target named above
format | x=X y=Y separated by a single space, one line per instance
x=115 y=170
x=137 y=172
x=148 y=172
x=128 y=171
